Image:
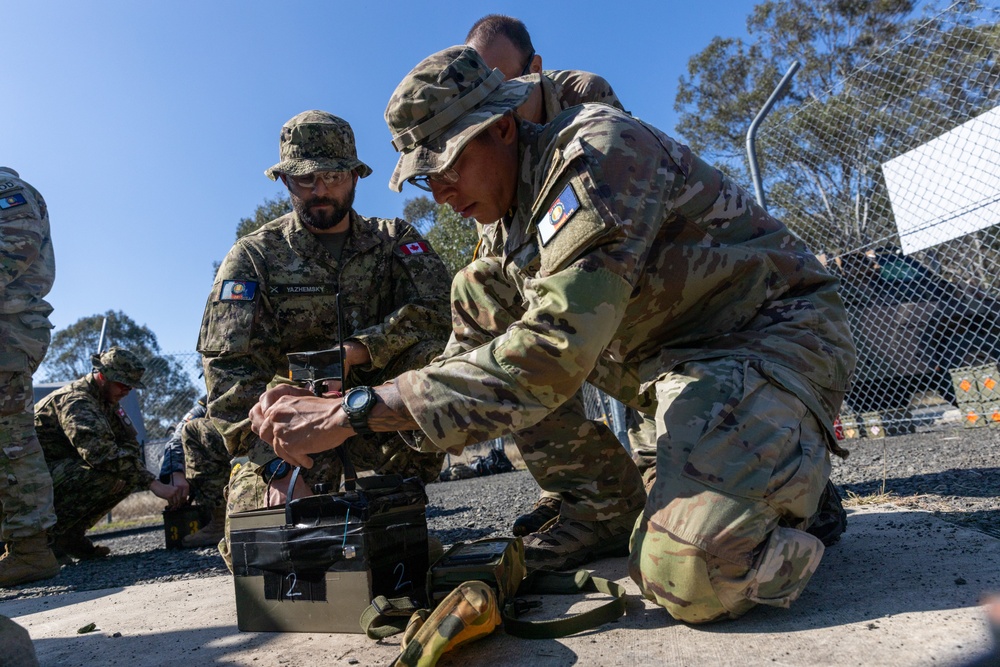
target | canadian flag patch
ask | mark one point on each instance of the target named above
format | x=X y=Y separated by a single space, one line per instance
x=415 y=248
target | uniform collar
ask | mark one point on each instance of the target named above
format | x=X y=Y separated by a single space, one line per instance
x=304 y=242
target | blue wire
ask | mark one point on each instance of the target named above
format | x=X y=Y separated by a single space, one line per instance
x=346 y=518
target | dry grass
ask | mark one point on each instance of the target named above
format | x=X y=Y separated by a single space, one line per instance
x=139 y=509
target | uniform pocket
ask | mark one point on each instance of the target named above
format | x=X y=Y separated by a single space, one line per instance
x=746 y=435
x=227 y=328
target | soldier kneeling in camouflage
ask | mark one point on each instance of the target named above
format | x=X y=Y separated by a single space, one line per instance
x=633 y=263
x=91 y=449
x=276 y=293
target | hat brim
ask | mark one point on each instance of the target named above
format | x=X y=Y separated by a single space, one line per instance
x=436 y=155
x=115 y=377
x=303 y=166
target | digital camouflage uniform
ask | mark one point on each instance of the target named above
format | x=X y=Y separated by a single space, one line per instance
x=631 y=262
x=206 y=461
x=275 y=293
x=196 y=449
x=27 y=271
x=90 y=446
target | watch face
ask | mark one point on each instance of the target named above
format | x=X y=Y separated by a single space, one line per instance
x=356 y=400
x=276 y=469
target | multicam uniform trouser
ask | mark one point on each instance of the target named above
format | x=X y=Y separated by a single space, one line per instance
x=25 y=483
x=83 y=495
x=733 y=466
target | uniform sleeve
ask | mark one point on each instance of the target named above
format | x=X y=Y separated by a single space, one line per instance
x=239 y=345
x=90 y=433
x=584 y=87
x=421 y=286
x=594 y=227
x=173 y=451
x=20 y=232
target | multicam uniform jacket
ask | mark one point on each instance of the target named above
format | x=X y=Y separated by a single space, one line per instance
x=275 y=293
x=27 y=271
x=76 y=426
x=633 y=256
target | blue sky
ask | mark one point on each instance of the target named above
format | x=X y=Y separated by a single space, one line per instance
x=147 y=126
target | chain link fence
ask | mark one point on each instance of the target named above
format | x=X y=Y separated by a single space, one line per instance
x=893 y=178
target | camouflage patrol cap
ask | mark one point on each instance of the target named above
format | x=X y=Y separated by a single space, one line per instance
x=443 y=103
x=120 y=365
x=316 y=141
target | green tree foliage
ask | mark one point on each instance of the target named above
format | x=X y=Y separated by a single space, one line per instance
x=263 y=214
x=453 y=238
x=876 y=80
x=169 y=391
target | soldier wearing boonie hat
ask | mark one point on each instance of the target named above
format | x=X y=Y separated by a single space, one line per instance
x=92 y=452
x=120 y=365
x=317 y=141
x=504 y=44
x=276 y=292
x=631 y=262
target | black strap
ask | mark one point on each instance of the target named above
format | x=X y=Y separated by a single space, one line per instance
x=386 y=617
x=581 y=581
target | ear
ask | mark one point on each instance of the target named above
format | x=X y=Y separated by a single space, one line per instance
x=536 y=64
x=506 y=129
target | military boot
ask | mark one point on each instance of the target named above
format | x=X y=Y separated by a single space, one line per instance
x=210 y=533
x=830 y=520
x=27 y=559
x=78 y=546
x=565 y=543
x=546 y=509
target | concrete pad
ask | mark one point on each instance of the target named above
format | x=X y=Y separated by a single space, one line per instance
x=901 y=588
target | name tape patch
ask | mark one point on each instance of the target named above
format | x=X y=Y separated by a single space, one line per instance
x=238 y=290
x=562 y=209
x=414 y=248
x=12 y=201
x=278 y=290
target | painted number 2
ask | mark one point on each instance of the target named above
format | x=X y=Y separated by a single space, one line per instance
x=400 y=570
x=292 y=581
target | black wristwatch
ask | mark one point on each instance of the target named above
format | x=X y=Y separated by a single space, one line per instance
x=358 y=403
x=275 y=469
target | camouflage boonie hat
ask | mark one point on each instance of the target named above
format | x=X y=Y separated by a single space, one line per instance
x=317 y=141
x=119 y=365
x=443 y=103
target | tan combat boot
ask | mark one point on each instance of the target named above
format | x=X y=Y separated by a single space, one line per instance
x=27 y=559
x=210 y=533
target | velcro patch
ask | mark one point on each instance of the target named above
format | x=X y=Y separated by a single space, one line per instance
x=12 y=201
x=279 y=290
x=415 y=248
x=238 y=290
x=565 y=205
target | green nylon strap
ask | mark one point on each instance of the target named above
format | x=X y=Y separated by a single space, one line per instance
x=386 y=617
x=565 y=583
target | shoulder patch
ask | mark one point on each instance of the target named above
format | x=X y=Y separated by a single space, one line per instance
x=562 y=209
x=415 y=248
x=123 y=416
x=238 y=290
x=12 y=201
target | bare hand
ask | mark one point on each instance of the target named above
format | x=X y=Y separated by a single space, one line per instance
x=165 y=491
x=297 y=425
x=179 y=481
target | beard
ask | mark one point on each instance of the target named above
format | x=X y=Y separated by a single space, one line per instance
x=310 y=216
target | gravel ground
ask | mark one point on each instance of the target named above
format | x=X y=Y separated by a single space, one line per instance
x=953 y=473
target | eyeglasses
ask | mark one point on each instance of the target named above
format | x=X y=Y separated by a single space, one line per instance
x=329 y=178
x=423 y=181
x=527 y=65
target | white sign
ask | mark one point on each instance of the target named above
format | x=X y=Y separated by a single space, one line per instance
x=948 y=187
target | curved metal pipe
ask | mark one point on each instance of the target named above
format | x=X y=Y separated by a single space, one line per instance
x=758 y=185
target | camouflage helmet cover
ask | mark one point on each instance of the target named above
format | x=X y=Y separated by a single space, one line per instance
x=317 y=141
x=120 y=365
x=443 y=103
